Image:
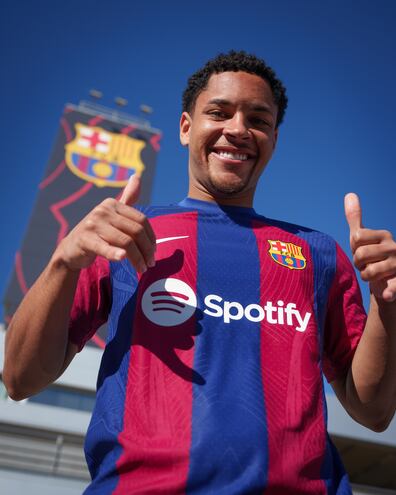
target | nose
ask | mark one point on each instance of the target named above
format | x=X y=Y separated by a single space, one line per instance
x=236 y=126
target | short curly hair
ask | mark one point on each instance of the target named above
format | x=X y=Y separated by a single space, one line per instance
x=235 y=61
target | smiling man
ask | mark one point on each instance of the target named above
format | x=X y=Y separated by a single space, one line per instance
x=221 y=320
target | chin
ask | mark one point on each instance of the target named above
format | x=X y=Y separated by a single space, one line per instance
x=227 y=188
x=229 y=183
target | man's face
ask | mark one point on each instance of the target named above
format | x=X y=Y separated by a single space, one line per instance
x=231 y=136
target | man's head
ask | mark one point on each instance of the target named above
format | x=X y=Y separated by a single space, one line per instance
x=234 y=62
x=232 y=110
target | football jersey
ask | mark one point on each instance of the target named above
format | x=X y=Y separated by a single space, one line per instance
x=211 y=379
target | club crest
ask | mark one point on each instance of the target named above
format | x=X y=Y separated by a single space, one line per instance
x=287 y=254
x=102 y=157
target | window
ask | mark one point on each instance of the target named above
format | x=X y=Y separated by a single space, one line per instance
x=67 y=398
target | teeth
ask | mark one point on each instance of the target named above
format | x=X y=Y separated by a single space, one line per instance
x=233 y=156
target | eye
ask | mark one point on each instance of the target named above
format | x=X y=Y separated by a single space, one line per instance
x=217 y=114
x=260 y=122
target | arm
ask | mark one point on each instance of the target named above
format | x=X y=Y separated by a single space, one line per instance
x=368 y=391
x=37 y=348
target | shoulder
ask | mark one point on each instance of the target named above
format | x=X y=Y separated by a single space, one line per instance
x=312 y=236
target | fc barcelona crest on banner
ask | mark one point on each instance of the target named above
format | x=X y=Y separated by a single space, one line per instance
x=102 y=157
x=95 y=152
x=287 y=254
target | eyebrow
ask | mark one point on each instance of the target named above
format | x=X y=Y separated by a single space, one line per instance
x=255 y=108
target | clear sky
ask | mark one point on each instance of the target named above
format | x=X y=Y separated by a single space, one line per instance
x=335 y=57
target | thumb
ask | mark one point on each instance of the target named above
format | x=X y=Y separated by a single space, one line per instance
x=130 y=194
x=353 y=212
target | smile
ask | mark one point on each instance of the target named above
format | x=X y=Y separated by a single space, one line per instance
x=233 y=156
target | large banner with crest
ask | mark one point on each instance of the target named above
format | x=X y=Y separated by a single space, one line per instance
x=93 y=157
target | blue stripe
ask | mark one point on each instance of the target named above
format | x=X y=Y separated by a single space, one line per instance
x=229 y=451
x=101 y=444
x=323 y=253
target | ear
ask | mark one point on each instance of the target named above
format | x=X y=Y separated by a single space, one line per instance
x=185 y=126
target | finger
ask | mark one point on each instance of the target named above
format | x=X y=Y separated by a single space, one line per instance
x=130 y=194
x=96 y=245
x=140 y=218
x=123 y=233
x=136 y=216
x=353 y=212
x=375 y=272
x=113 y=245
x=113 y=252
x=389 y=293
x=364 y=237
x=371 y=253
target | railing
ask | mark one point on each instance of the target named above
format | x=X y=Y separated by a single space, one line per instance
x=42 y=452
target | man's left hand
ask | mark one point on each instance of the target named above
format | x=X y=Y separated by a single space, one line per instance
x=374 y=252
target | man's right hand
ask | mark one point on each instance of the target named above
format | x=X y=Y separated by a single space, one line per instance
x=114 y=230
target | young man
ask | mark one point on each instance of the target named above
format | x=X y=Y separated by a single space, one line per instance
x=220 y=320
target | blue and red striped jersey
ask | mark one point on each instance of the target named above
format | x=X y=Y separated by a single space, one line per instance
x=211 y=379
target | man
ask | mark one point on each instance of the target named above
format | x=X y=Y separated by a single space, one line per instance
x=220 y=320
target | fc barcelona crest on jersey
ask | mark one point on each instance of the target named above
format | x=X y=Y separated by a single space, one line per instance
x=287 y=254
x=102 y=157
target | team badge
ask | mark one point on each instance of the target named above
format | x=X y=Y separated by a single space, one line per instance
x=287 y=254
x=102 y=157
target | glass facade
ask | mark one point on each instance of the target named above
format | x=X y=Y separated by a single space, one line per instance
x=67 y=398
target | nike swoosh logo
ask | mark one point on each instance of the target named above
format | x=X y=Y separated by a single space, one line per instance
x=166 y=239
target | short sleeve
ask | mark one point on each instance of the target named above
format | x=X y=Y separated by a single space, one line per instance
x=92 y=302
x=345 y=319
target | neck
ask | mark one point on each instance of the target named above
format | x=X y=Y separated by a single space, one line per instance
x=244 y=199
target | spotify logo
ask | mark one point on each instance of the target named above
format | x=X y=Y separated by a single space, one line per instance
x=169 y=302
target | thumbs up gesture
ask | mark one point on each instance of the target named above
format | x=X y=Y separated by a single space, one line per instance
x=114 y=230
x=374 y=252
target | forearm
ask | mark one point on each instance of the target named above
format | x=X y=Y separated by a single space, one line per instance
x=371 y=381
x=37 y=338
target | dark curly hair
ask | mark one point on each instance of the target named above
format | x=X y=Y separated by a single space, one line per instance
x=234 y=61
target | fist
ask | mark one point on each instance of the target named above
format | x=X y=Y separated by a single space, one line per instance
x=374 y=252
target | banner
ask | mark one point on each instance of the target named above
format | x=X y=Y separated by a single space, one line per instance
x=94 y=155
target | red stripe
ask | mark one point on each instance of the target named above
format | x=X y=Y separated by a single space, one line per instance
x=83 y=163
x=57 y=207
x=95 y=120
x=155 y=142
x=66 y=129
x=53 y=175
x=121 y=173
x=19 y=273
x=157 y=421
x=291 y=380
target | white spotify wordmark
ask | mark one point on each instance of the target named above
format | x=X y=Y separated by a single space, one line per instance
x=169 y=302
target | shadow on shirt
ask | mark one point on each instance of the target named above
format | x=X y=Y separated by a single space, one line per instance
x=162 y=341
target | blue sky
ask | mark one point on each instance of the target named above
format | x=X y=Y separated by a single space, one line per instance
x=335 y=57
